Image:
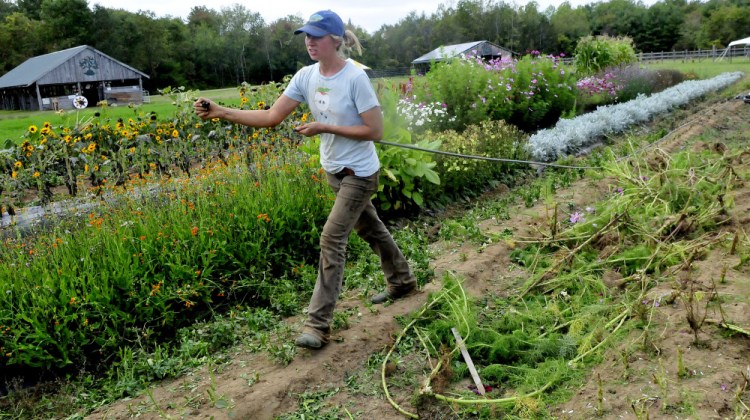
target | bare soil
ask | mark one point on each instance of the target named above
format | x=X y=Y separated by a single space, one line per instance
x=717 y=367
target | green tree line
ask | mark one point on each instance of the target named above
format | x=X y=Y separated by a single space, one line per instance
x=218 y=48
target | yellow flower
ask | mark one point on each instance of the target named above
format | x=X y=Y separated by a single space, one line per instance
x=255 y=135
x=33 y=129
x=36 y=174
x=198 y=125
x=159 y=131
x=14 y=174
x=88 y=136
x=261 y=105
x=45 y=130
x=175 y=133
x=304 y=117
x=132 y=150
x=47 y=124
x=158 y=138
x=243 y=100
x=92 y=147
x=67 y=138
x=215 y=119
x=86 y=168
x=18 y=164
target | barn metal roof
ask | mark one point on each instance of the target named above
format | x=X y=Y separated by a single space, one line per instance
x=449 y=51
x=33 y=69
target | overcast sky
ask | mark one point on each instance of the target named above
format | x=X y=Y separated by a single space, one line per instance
x=369 y=14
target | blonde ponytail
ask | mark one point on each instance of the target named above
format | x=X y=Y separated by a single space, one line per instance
x=348 y=43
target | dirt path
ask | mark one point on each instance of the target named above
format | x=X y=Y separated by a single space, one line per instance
x=251 y=386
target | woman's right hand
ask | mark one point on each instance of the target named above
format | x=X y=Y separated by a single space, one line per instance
x=204 y=108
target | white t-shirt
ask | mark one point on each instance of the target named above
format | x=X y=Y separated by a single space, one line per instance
x=338 y=100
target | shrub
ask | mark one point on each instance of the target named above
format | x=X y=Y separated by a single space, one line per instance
x=622 y=84
x=531 y=92
x=403 y=171
x=595 y=54
x=466 y=178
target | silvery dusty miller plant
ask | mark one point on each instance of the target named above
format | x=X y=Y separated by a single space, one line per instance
x=569 y=136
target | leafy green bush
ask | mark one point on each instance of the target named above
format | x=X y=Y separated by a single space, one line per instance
x=465 y=178
x=403 y=172
x=143 y=266
x=531 y=92
x=595 y=54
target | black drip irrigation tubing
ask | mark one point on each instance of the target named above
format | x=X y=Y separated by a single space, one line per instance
x=459 y=155
x=536 y=163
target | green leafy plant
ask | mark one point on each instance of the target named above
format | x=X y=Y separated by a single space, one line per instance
x=596 y=53
x=403 y=171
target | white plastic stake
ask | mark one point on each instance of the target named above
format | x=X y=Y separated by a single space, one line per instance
x=469 y=363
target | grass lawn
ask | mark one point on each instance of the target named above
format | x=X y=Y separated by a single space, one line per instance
x=704 y=69
x=13 y=124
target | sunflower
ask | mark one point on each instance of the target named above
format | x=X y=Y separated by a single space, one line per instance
x=33 y=129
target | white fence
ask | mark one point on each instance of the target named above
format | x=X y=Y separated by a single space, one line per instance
x=736 y=53
x=712 y=54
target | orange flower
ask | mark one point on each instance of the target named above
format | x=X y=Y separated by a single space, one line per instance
x=194 y=230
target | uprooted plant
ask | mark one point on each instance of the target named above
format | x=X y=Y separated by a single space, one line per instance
x=659 y=217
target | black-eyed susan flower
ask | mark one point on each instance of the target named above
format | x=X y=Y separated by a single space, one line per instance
x=33 y=129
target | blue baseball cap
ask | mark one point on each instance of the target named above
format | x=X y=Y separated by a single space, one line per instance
x=323 y=23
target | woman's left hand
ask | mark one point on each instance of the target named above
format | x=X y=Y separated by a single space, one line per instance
x=311 y=129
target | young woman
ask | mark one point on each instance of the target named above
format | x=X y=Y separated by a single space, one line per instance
x=348 y=118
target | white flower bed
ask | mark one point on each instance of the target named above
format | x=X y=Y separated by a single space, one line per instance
x=570 y=135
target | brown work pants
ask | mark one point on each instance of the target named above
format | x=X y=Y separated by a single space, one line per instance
x=352 y=210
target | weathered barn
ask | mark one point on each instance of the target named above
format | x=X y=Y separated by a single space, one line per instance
x=51 y=81
x=484 y=49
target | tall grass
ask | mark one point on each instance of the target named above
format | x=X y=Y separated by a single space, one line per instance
x=145 y=264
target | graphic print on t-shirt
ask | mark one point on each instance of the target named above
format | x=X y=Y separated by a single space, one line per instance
x=322 y=100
